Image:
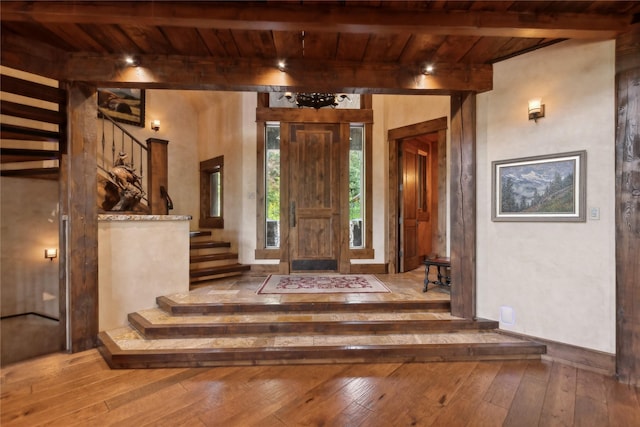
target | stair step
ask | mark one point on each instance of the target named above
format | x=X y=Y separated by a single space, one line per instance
x=222 y=269
x=212 y=257
x=199 y=233
x=13 y=155
x=157 y=324
x=209 y=245
x=36 y=173
x=126 y=348
x=175 y=305
x=9 y=131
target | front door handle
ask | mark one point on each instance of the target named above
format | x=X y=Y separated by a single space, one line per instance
x=293 y=214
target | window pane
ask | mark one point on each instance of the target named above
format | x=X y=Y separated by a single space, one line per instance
x=272 y=186
x=356 y=187
x=216 y=191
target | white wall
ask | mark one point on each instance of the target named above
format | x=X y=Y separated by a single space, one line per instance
x=559 y=278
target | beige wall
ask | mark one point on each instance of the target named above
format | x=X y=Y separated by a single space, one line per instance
x=559 y=278
x=178 y=115
x=139 y=260
x=29 y=224
x=390 y=112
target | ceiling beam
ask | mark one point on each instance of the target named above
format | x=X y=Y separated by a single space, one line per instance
x=33 y=57
x=178 y=72
x=322 y=18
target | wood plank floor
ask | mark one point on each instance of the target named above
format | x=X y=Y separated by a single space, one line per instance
x=80 y=390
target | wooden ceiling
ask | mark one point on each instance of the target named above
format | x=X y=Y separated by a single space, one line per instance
x=346 y=46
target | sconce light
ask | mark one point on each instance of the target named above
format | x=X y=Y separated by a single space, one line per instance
x=282 y=66
x=155 y=125
x=536 y=109
x=427 y=70
x=50 y=254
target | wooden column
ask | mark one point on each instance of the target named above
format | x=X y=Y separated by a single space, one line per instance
x=463 y=204
x=79 y=213
x=158 y=170
x=628 y=207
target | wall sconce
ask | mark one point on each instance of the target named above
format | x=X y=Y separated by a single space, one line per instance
x=50 y=254
x=427 y=70
x=155 y=125
x=536 y=109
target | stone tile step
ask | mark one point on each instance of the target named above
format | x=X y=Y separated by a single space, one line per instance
x=126 y=348
x=158 y=324
x=192 y=304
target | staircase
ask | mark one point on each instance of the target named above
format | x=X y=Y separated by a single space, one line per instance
x=209 y=330
x=31 y=136
x=210 y=260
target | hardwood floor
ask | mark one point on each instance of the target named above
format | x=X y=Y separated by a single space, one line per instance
x=80 y=389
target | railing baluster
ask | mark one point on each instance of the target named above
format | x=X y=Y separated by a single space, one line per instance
x=104 y=142
x=113 y=143
x=141 y=163
x=132 y=153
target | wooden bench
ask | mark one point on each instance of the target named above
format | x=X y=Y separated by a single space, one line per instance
x=441 y=263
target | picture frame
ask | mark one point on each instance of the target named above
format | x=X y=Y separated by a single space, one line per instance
x=540 y=188
x=124 y=105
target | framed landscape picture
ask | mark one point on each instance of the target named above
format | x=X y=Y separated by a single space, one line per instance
x=122 y=105
x=541 y=188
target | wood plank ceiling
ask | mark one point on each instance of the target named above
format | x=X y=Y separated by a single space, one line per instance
x=347 y=46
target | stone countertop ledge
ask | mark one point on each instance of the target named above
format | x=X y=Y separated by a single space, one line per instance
x=131 y=217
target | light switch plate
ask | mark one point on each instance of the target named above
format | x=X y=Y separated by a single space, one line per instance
x=594 y=213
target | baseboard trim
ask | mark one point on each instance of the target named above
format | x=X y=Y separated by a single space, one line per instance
x=579 y=357
x=369 y=269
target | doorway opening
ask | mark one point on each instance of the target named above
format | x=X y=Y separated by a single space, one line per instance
x=417 y=189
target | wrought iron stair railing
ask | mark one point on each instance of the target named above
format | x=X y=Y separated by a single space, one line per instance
x=117 y=145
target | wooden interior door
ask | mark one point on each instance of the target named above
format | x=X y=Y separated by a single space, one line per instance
x=418 y=163
x=314 y=197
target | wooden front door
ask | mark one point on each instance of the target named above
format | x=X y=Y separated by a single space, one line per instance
x=314 y=197
x=418 y=163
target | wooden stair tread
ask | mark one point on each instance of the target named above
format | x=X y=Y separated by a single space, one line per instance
x=37 y=173
x=155 y=324
x=199 y=233
x=15 y=155
x=193 y=259
x=209 y=245
x=125 y=348
x=178 y=308
x=9 y=131
x=212 y=271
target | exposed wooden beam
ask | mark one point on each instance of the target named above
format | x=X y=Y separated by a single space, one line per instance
x=27 y=55
x=325 y=18
x=263 y=75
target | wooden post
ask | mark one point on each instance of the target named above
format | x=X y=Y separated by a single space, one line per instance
x=79 y=213
x=628 y=207
x=157 y=164
x=463 y=205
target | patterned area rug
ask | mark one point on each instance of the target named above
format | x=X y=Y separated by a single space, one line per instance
x=321 y=284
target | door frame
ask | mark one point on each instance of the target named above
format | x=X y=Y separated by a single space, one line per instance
x=395 y=136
